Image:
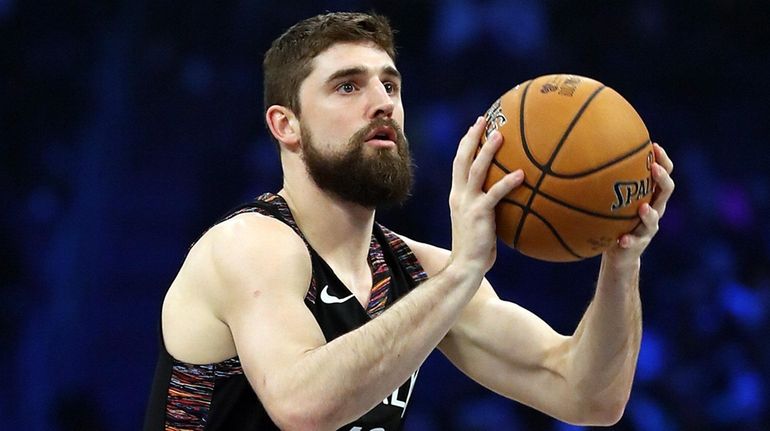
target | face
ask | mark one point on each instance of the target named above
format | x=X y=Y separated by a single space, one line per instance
x=351 y=126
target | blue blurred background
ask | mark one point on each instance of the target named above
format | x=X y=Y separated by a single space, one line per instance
x=129 y=127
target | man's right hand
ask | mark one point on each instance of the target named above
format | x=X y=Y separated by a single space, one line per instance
x=474 y=241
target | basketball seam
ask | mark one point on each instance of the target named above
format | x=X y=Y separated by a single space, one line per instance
x=547 y=224
x=585 y=211
x=523 y=140
x=544 y=170
x=562 y=202
x=604 y=166
x=579 y=209
x=500 y=165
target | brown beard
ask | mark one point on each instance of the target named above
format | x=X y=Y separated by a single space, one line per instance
x=383 y=178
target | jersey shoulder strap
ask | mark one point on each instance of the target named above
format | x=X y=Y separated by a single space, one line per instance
x=407 y=261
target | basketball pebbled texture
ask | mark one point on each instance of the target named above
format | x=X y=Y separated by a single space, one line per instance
x=586 y=156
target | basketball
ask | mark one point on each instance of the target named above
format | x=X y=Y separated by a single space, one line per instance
x=586 y=156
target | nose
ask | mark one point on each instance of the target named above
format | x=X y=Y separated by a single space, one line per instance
x=381 y=103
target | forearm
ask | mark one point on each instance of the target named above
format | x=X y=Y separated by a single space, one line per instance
x=607 y=340
x=348 y=376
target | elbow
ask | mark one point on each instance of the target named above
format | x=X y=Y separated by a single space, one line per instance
x=288 y=418
x=292 y=415
x=609 y=413
x=600 y=412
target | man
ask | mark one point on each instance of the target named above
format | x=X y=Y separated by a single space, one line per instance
x=299 y=312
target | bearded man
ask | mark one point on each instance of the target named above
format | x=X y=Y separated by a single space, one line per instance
x=299 y=312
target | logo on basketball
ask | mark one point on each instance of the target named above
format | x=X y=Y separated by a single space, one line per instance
x=569 y=86
x=566 y=87
x=495 y=118
x=548 y=87
x=629 y=191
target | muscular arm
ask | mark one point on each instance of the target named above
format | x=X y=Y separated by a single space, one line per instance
x=605 y=345
x=584 y=378
x=303 y=381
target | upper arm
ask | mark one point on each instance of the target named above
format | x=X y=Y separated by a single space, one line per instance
x=501 y=345
x=264 y=269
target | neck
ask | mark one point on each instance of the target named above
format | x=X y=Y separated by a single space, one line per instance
x=342 y=232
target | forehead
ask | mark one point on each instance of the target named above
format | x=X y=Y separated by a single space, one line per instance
x=344 y=55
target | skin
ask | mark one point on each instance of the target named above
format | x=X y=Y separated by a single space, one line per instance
x=238 y=297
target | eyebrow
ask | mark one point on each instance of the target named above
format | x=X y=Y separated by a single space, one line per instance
x=361 y=70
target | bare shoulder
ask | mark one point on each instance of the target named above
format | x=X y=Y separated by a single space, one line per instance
x=246 y=252
x=249 y=242
x=233 y=260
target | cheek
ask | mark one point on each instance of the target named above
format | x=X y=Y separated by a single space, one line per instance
x=399 y=115
x=338 y=134
x=327 y=123
x=331 y=134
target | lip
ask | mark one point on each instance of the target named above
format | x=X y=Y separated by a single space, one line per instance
x=381 y=143
x=388 y=134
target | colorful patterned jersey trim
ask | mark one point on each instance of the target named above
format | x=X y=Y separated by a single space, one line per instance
x=380 y=280
x=405 y=256
x=190 y=392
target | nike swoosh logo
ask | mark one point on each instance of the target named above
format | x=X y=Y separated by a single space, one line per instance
x=331 y=299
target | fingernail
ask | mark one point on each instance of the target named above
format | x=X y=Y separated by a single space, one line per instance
x=518 y=174
x=478 y=120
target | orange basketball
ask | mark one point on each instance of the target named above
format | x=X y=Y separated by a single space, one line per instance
x=586 y=156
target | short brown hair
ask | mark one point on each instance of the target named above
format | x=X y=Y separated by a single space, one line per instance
x=287 y=62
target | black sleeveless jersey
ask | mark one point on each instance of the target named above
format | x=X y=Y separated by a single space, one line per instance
x=218 y=397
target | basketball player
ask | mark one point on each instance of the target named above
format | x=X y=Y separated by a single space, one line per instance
x=298 y=311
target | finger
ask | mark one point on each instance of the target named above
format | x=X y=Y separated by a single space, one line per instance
x=628 y=241
x=664 y=187
x=480 y=165
x=650 y=218
x=504 y=185
x=465 y=151
x=642 y=235
x=661 y=157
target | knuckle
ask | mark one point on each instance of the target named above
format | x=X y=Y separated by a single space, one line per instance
x=453 y=200
x=457 y=161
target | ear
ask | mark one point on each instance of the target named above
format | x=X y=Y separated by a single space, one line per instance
x=284 y=126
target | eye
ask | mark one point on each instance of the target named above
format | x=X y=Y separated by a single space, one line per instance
x=346 y=87
x=390 y=87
